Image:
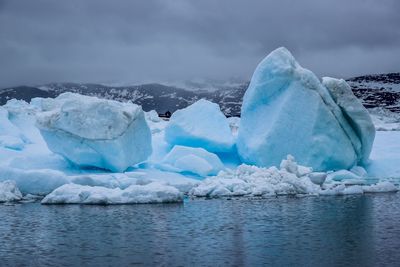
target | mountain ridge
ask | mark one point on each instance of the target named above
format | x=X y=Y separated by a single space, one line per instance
x=374 y=91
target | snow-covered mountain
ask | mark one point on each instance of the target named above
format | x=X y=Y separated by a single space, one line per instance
x=375 y=91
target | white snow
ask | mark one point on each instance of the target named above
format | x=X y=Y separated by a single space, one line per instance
x=201 y=124
x=287 y=110
x=193 y=160
x=92 y=132
x=134 y=194
x=9 y=191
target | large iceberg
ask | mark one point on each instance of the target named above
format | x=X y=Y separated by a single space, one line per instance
x=287 y=110
x=201 y=124
x=92 y=132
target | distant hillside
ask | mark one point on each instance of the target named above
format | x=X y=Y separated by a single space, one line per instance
x=381 y=90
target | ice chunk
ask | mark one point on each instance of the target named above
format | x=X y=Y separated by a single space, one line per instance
x=193 y=160
x=95 y=132
x=360 y=171
x=287 y=110
x=317 y=177
x=152 y=116
x=342 y=175
x=234 y=123
x=201 y=124
x=381 y=187
x=134 y=194
x=343 y=189
x=9 y=191
x=249 y=180
x=356 y=114
x=35 y=182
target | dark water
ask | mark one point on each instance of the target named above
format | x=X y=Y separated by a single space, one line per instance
x=310 y=231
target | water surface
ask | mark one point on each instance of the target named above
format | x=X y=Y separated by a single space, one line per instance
x=320 y=231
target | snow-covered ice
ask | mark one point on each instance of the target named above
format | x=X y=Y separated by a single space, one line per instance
x=287 y=110
x=201 y=124
x=92 y=132
x=134 y=194
x=193 y=160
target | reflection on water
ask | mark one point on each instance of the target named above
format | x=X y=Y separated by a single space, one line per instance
x=323 y=231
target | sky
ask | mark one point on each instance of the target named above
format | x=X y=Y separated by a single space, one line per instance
x=132 y=42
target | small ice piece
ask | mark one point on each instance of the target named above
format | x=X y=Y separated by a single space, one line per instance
x=360 y=171
x=343 y=175
x=194 y=160
x=381 y=187
x=152 y=116
x=201 y=124
x=234 y=124
x=317 y=177
x=341 y=189
x=9 y=191
x=353 y=190
x=92 y=132
x=134 y=194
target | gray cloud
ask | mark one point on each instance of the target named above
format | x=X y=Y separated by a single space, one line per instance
x=160 y=40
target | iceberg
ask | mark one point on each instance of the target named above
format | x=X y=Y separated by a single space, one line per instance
x=287 y=110
x=134 y=194
x=193 y=160
x=92 y=132
x=201 y=124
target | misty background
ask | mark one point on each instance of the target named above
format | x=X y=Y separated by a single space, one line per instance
x=133 y=42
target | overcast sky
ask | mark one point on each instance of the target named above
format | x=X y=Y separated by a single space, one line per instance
x=113 y=41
